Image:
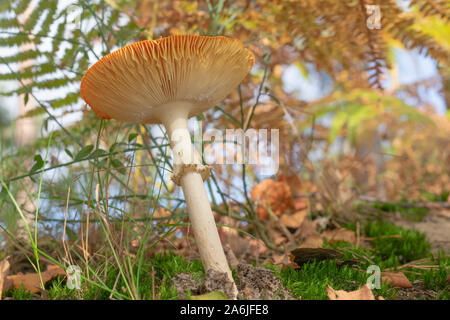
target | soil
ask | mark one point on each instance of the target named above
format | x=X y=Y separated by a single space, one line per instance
x=215 y=281
x=435 y=225
x=257 y=283
x=417 y=292
x=254 y=283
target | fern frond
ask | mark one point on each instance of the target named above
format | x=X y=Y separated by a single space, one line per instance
x=15 y=40
x=49 y=19
x=11 y=23
x=23 y=56
x=21 y=6
x=48 y=84
x=432 y=7
x=30 y=72
x=33 y=17
x=70 y=99
x=58 y=36
x=413 y=39
x=58 y=63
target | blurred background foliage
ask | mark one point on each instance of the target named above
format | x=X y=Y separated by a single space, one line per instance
x=350 y=125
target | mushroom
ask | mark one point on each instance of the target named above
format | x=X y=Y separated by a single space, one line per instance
x=168 y=81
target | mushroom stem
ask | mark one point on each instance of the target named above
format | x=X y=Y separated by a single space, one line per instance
x=200 y=214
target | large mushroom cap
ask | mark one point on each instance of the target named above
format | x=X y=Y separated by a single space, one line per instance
x=142 y=81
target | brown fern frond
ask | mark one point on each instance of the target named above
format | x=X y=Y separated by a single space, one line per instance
x=412 y=39
x=375 y=54
x=433 y=8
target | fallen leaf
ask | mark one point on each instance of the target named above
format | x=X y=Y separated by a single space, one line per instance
x=364 y=293
x=300 y=190
x=4 y=267
x=300 y=203
x=280 y=259
x=31 y=281
x=238 y=243
x=307 y=229
x=297 y=185
x=215 y=295
x=301 y=256
x=313 y=241
x=397 y=279
x=341 y=234
x=162 y=213
x=294 y=220
x=274 y=194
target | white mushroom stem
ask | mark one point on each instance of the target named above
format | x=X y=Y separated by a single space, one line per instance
x=186 y=167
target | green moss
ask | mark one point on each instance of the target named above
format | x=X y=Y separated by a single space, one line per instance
x=169 y=265
x=310 y=281
x=19 y=294
x=411 y=213
x=437 y=197
x=58 y=290
x=164 y=266
x=396 y=245
x=437 y=279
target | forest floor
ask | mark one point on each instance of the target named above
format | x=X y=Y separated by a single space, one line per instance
x=410 y=248
x=435 y=225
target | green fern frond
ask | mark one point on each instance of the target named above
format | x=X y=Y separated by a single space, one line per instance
x=58 y=38
x=33 y=17
x=48 y=84
x=15 y=40
x=49 y=19
x=21 y=6
x=59 y=62
x=433 y=8
x=11 y=23
x=69 y=99
x=33 y=113
x=23 y=56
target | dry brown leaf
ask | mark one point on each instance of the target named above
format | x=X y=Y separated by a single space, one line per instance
x=162 y=213
x=300 y=256
x=364 y=293
x=30 y=281
x=307 y=229
x=280 y=259
x=341 y=234
x=397 y=279
x=294 y=220
x=299 y=187
x=4 y=267
x=300 y=203
x=274 y=194
x=313 y=241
